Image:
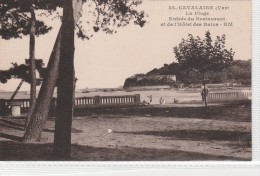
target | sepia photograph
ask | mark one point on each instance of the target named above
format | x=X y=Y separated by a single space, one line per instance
x=125 y=80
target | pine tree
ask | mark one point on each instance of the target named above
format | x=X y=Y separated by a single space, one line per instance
x=18 y=19
x=109 y=15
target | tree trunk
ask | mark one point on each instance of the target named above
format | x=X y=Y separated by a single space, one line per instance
x=66 y=82
x=204 y=91
x=41 y=110
x=65 y=90
x=32 y=67
x=17 y=89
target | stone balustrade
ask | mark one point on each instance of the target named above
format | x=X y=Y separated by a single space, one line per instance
x=229 y=96
x=80 y=102
x=107 y=100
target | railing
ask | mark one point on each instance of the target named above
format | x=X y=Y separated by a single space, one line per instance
x=5 y=105
x=80 y=102
x=107 y=100
x=25 y=102
x=229 y=96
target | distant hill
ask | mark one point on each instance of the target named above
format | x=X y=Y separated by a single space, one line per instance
x=239 y=72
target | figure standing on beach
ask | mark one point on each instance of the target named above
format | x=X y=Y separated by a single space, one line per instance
x=162 y=100
x=204 y=93
x=150 y=99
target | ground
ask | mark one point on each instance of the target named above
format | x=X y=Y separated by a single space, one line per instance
x=154 y=133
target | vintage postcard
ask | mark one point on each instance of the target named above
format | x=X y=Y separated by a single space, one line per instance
x=126 y=80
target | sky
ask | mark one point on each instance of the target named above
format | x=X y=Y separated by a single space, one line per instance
x=107 y=60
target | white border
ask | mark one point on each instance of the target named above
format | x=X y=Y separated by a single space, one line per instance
x=256 y=79
x=205 y=168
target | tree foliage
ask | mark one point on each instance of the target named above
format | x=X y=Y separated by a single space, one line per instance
x=238 y=72
x=15 y=16
x=104 y=15
x=22 y=72
x=194 y=53
x=107 y=15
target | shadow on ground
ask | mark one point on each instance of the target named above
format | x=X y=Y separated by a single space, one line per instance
x=11 y=137
x=9 y=123
x=239 y=112
x=16 y=151
x=198 y=135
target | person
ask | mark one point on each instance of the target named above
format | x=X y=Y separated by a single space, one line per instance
x=162 y=100
x=204 y=93
x=150 y=99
